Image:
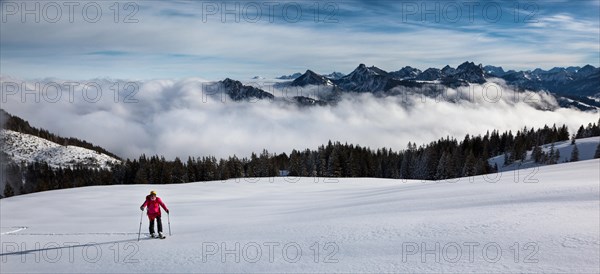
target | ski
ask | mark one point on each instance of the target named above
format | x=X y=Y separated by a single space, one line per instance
x=157 y=237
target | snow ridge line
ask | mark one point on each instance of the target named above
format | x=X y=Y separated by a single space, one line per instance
x=17 y=229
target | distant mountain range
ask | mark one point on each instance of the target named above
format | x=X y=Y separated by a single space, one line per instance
x=577 y=87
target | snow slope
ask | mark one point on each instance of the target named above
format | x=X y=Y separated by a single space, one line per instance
x=532 y=220
x=586 y=146
x=25 y=147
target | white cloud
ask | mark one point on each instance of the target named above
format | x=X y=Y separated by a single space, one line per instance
x=172 y=118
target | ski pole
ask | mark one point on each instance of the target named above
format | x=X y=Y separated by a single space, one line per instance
x=140 y=230
x=169 y=221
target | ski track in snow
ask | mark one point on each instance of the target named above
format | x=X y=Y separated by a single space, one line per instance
x=71 y=234
x=15 y=229
x=357 y=224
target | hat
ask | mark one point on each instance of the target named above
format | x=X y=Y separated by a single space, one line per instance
x=152 y=192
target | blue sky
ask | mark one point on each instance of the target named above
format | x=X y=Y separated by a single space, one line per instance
x=179 y=39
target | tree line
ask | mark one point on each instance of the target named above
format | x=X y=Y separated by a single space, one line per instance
x=445 y=158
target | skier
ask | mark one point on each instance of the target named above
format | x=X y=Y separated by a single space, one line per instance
x=154 y=203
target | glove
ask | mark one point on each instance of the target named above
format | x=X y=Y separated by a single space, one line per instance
x=167 y=211
x=142 y=208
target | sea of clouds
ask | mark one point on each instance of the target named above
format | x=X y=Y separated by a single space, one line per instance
x=181 y=118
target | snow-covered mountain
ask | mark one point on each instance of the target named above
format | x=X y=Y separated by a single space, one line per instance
x=27 y=148
x=494 y=71
x=239 y=92
x=406 y=73
x=585 y=71
x=537 y=220
x=289 y=77
x=365 y=79
x=430 y=74
x=311 y=78
x=334 y=75
x=573 y=87
x=564 y=81
x=307 y=101
x=468 y=72
x=447 y=70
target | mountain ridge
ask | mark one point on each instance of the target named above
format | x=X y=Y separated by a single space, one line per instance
x=567 y=84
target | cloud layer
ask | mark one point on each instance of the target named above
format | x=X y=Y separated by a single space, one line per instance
x=175 y=118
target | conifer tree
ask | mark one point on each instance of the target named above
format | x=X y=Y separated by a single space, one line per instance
x=551 y=155
x=8 y=191
x=574 y=154
x=536 y=154
x=469 y=167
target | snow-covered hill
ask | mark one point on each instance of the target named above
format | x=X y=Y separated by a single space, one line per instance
x=586 y=146
x=25 y=147
x=544 y=220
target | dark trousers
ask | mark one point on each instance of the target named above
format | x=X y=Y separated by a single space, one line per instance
x=158 y=223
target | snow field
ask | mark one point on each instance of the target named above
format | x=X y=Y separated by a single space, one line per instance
x=498 y=224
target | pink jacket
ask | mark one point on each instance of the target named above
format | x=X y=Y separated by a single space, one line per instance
x=154 y=206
